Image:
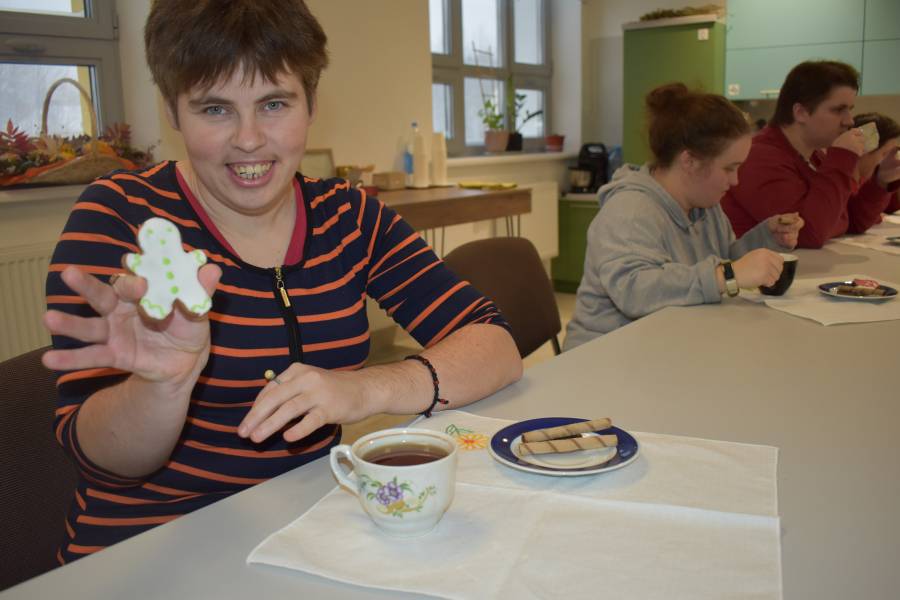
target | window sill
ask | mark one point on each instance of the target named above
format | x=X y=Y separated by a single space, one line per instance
x=508 y=158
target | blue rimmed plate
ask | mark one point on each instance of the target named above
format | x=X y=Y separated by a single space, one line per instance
x=830 y=289
x=893 y=240
x=584 y=462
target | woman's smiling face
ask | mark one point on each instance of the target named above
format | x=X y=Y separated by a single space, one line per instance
x=244 y=140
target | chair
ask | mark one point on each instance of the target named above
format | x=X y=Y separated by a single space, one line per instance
x=37 y=480
x=509 y=271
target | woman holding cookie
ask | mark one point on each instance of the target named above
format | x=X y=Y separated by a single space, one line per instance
x=182 y=382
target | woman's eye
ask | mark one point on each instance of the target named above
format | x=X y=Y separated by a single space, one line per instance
x=274 y=105
x=214 y=110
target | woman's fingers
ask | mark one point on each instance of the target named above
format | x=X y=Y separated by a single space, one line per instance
x=209 y=275
x=89 y=357
x=86 y=329
x=311 y=421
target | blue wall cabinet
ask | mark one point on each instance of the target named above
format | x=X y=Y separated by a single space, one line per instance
x=882 y=20
x=880 y=73
x=759 y=72
x=769 y=23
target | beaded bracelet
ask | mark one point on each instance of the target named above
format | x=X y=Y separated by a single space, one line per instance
x=434 y=380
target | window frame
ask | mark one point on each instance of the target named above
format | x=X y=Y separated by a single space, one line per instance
x=450 y=69
x=90 y=41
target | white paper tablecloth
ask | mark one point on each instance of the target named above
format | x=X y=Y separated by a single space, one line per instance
x=805 y=300
x=689 y=518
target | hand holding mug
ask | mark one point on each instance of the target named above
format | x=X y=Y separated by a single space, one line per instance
x=853 y=140
x=758 y=267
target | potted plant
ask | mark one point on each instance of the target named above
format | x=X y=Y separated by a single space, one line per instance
x=495 y=137
x=514 y=105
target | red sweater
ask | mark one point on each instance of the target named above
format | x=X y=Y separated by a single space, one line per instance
x=775 y=179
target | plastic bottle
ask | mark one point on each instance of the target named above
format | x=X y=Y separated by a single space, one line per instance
x=408 y=154
x=419 y=160
x=614 y=162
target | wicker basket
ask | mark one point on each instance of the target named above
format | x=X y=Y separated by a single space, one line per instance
x=81 y=169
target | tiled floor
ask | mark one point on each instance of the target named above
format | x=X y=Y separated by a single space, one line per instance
x=404 y=345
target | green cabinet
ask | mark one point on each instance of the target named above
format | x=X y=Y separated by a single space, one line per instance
x=693 y=53
x=575 y=217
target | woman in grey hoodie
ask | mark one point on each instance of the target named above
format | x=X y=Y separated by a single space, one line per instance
x=660 y=238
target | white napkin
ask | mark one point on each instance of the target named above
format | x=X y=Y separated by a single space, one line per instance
x=805 y=300
x=872 y=241
x=645 y=535
x=892 y=219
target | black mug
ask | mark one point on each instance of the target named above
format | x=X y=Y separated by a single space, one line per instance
x=785 y=279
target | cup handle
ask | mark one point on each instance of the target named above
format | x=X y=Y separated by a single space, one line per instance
x=348 y=480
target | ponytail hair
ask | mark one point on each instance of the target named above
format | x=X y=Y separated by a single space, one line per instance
x=681 y=119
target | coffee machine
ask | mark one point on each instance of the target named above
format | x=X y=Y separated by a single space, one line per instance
x=590 y=172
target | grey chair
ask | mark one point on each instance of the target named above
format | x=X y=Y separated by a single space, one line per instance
x=37 y=480
x=509 y=271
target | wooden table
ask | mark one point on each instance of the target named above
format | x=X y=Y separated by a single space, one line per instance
x=432 y=208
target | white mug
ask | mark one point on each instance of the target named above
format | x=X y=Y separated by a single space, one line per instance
x=403 y=500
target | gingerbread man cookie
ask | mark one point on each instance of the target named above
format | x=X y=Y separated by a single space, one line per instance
x=171 y=273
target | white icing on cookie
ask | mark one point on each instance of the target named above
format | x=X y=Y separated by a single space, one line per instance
x=171 y=273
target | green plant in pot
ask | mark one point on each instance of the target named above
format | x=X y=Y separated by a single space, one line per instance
x=514 y=105
x=496 y=137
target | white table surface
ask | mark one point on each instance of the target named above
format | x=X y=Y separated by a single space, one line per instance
x=828 y=397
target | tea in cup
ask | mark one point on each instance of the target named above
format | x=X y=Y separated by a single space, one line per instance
x=405 y=478
x=785 y=279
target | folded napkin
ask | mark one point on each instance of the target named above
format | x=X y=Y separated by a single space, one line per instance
x=805 y=300
x=689 y=518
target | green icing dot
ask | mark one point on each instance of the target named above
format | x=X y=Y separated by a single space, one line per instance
x=167 y=261
x=170 y=275
x=162 y=242
x=174 y=289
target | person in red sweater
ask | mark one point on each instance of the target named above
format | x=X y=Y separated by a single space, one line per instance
x=806 y=160
x=888 y=139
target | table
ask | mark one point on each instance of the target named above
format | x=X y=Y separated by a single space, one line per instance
x=826 y=396
x=443 y=206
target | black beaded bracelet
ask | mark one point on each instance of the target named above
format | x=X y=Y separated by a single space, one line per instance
x=434 y=380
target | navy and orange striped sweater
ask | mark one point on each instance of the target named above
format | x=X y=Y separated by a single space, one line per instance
x=352 y=247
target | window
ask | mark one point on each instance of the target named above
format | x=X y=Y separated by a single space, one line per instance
x=490 y=53
x=45 y=40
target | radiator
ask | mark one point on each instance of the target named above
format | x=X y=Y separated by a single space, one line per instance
x=23 y=271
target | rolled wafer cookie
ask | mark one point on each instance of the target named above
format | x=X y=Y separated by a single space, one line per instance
x=567 y=445
x=553 y=433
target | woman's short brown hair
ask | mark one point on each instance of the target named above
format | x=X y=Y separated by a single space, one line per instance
x=809 y=84
x=681 y=119
x=888 y=129
x=200 y=42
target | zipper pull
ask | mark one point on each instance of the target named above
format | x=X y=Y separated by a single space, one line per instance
x=279 y=283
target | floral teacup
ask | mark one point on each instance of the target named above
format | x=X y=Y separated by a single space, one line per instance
x=404 y=478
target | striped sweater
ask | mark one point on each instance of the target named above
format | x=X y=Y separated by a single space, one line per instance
x=347 y=247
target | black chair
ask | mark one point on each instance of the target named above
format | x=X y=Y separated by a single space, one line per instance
x=509 y=271
x=37 y=480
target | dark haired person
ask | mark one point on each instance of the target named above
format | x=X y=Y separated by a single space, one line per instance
x=806 y=161
x=888 y=140
x=660 y=238
x=163 y=418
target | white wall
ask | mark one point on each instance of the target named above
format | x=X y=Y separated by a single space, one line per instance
x=378 y=82
x=566 y=84
x=603 y=59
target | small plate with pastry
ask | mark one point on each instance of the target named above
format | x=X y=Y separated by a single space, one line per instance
x=858 y=289
x=564 y=446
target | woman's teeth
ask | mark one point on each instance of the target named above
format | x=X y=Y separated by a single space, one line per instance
x=250 y=172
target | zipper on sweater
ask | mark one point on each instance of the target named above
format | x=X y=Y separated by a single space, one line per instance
x=295 y=342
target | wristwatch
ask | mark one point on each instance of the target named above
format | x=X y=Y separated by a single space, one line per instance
x=731 y=285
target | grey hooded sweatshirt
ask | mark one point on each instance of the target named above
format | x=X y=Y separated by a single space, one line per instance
x=644 y=253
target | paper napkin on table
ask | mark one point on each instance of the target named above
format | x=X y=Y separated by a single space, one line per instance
x=804 y=299
x=689 y=518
